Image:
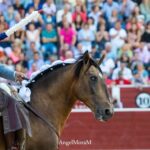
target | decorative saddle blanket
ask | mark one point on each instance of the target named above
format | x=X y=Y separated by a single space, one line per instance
x=14 y=114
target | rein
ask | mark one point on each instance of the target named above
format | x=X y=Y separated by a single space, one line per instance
x=41 y=117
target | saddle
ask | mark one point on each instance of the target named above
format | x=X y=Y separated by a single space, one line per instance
x=15 y=127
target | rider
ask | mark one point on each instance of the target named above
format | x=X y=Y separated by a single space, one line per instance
x=8 y=102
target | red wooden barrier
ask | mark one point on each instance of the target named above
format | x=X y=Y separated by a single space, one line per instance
x=128 y=95
x=126 y=130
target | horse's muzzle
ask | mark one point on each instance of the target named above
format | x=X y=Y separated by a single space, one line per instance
x=104 y=114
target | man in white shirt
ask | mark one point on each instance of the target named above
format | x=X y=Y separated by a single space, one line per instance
x=49 y=7
x=126 y=72
x=85 y=37
x=65 y=11
x=118 y=36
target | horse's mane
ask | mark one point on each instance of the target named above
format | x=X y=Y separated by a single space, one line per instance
x=46 y=71
x=78 y=66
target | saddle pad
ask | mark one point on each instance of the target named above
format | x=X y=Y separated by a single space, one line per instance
x=5 y=87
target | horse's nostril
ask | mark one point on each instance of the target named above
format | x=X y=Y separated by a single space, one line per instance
x=108 y=112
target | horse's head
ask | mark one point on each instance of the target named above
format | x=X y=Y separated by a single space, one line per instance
x=91 y=88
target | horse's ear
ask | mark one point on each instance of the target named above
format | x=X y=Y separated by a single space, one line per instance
x=102 y=58
x=86 y=57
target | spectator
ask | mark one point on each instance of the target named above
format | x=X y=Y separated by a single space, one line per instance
x=114 y=18
x=122 y=74
x=78 y=22
x=20 y=34
x=60 y=24
x=49 y=19
x=65 y=11
x=31 y=50
x=91 y=3
x=26 y=3
x=146 y=35
x=24 y=62
x=109 y=51
x=86 y=37
x=79 y=12
x=67 y=34
x=145 y=9
x=95 y=54
x=135 y=61
x=33 y=35
x=126 y=49
x=91 y=24
x=16 y=20
x=78 y=50
x=68 y=54
x=117 y=36
x=38 y=21
x=49 y=39
x=19 y=67
x=134 y=36
x=36 y=4
x=37 y=60
x=102 y=37
x=95 y=13
x=108 y=63
x=140 y=75
x=143 y=53
x=101 y=22
x=51 y=59
x=64 y=48
x=19 y=7
x=32 y=69
x=108 y=7
x=49 y=7
x=125 y=58
x=127 y=7
x=10 y=64
x=4 y=5
x=10 y=14
x=80 y=3
x=16 y=51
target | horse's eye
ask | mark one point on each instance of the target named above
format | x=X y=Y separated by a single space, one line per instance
x=93 y=78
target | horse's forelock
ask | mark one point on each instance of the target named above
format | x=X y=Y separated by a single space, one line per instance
x=80 y=64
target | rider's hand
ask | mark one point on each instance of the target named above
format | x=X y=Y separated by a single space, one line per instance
x=19 y=76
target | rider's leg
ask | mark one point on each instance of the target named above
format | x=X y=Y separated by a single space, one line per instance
x=21 y=139
x=10 y=139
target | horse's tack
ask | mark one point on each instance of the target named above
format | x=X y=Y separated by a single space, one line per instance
x=37 y=114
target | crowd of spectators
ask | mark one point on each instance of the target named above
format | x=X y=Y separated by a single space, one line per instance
x=67 y=28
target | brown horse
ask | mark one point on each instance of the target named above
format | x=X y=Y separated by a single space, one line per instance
x=55 y=91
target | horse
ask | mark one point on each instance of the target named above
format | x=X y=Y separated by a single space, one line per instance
x=55 y=91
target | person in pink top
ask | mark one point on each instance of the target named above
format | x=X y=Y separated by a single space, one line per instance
x=67 y=34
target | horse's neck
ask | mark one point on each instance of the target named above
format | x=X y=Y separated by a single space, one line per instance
x=55 y=100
